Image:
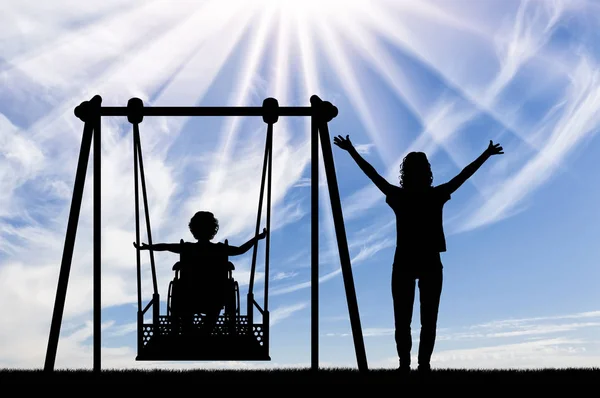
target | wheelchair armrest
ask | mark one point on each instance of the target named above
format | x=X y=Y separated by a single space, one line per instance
x=230 y=268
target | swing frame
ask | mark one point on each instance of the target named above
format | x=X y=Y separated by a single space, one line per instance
x=91 y=113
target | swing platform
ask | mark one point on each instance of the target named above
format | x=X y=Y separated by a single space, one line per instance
x=226 y=343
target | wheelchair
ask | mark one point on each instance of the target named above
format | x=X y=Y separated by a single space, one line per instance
x=193 y=293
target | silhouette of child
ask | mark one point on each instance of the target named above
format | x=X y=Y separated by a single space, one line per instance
x=202 y=271
x=420 y=239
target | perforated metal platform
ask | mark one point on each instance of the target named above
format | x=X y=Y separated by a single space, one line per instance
x=228 y=341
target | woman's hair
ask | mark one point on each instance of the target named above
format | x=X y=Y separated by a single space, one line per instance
x=204 y=225
x=415 y=171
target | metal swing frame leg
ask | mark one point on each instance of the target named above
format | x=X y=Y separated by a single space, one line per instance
x=338 y=221
x=320 y=131
x=89 y=113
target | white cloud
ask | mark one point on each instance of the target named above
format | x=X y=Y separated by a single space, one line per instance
x=364 y=149
x=522 y=38
x=501 y=329
x=537 y=342
x=579 y=120
x=548 y=353
x=279 y=314
x=553 y=353
x=518 y=41
x=376 y=332
x=284 y=275
x=368 y=251
x=122 y=330
x=368 y=247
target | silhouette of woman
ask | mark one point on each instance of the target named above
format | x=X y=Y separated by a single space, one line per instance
x=420 y=239
x=203 y=226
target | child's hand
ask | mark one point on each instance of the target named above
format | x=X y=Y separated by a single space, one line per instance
x=262 y=234
x=144 y=246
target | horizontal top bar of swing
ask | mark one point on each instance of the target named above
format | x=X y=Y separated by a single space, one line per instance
x=209 y=111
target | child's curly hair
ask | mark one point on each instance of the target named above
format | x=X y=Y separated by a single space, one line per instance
x=203 y=225
x=415 y=171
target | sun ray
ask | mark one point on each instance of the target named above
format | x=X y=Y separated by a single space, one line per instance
x=437 y=132
x=484 y=102
x=281 y=88
x=382 y=24
x=447 y=16
x=185 y=86
x=280 y=85
x=187 y=71
x=372 y=52
x=378 y=57
x=312 y=86
x=69 y=39
x=112 y=79
x=578 y=122
x=350 y=84
x=425 y=9
x=433 y=131
x=229 y=131
x=57 y=148
x=278 y=89
x=310 y=76
x=177 y=89
x=66 y=66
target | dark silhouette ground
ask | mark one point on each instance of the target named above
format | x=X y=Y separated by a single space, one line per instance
x=339 y=376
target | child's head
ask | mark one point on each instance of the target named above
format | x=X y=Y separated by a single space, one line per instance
x=204 y=225
x=415 y=171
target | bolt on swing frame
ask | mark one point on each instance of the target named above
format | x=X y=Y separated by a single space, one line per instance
x=91 y=112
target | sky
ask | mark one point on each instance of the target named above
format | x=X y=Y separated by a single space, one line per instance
x=441 y=76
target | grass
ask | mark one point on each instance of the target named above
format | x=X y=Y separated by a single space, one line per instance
x=303 y=376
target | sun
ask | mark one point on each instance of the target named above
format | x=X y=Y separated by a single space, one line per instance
x=308 y=8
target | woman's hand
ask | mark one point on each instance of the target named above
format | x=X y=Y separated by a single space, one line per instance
x=494 y=149
x=343 y=143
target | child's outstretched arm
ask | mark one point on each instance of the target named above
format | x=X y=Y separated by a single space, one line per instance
x=160 y=247
x=369 y=170
x=237 y=250
x=467 y=172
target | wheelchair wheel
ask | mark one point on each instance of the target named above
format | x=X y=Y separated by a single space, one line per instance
x=236 y=288
x=232 y=303
x=170 y=299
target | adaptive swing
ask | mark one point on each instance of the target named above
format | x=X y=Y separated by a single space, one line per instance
x=235 y=336
x=202 y=285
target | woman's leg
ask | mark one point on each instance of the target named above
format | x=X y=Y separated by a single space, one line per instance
x=403 y=294
x=430 y=290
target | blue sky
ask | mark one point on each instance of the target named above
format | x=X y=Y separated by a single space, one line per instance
x=444 y=77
